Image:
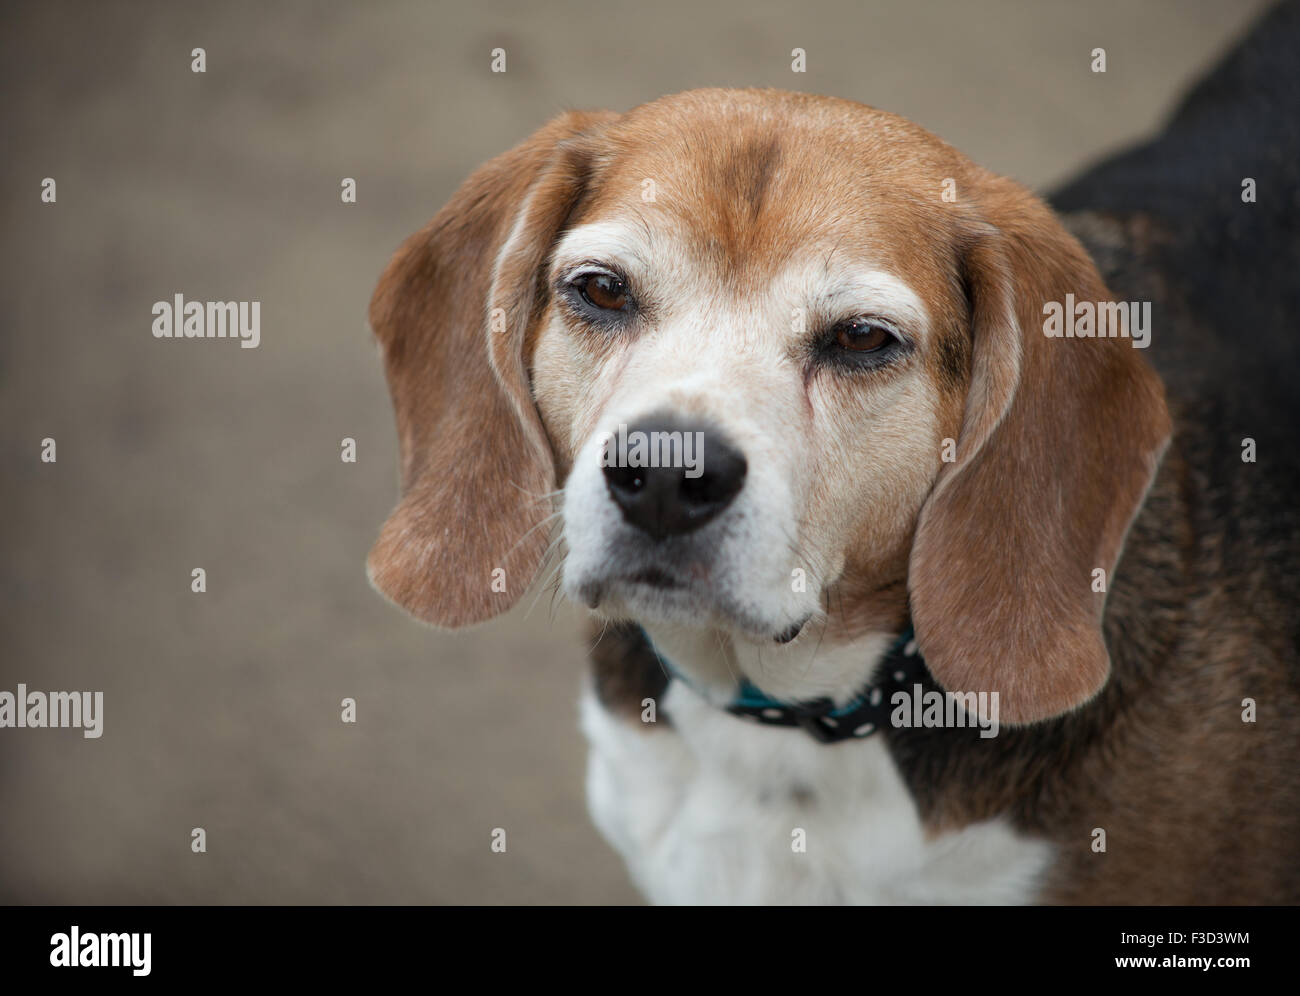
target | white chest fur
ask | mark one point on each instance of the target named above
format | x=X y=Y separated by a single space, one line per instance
x=718 y=810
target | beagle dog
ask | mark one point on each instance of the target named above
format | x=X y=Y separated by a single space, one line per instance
x=888 y=484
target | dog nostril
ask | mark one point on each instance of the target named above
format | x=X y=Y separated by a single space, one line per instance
x=721 y=479
x=629 y=479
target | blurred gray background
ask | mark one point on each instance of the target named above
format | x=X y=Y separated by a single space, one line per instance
x=222 y=709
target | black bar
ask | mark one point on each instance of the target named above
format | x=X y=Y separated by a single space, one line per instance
x=373 y=944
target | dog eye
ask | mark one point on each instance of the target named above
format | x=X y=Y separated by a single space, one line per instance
x=602 y=290
x=863 y=336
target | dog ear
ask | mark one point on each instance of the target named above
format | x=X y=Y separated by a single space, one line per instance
x=1059 y=443
x=450 y=313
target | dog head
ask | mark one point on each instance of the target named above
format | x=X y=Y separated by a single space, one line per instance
x=786 y=356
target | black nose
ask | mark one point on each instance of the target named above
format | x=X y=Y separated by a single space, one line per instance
x=670 y=476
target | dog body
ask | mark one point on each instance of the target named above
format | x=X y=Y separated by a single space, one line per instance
x=849 y=314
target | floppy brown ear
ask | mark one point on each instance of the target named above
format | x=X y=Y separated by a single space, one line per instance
x=1060 y=441
x=450 y=314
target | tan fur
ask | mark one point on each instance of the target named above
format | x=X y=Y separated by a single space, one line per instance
x=1060 y=443
x=476 y=469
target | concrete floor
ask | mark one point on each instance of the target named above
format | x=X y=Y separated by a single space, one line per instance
x=222 y=709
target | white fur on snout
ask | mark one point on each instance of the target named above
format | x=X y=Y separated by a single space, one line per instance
x=749 y=550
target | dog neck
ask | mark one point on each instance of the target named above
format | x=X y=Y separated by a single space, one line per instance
x=815 y=665
x=824 y=719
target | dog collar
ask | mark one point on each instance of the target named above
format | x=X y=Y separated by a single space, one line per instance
x=820 y=718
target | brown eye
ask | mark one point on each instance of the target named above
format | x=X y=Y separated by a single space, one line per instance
x=863 y=337
x=603 y=290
